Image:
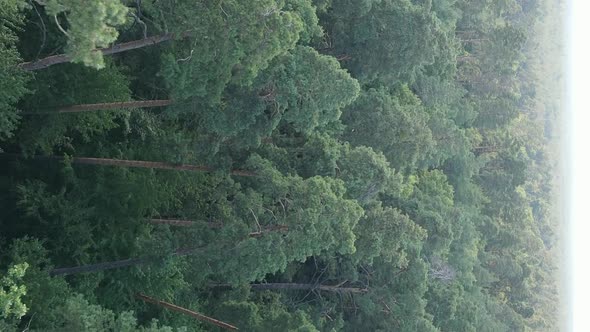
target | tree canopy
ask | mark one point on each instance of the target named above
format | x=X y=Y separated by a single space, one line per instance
x=278 y=165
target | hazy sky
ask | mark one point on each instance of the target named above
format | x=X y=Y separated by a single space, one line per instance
x=577 y=166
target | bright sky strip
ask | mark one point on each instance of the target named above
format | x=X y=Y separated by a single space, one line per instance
x=577 y=169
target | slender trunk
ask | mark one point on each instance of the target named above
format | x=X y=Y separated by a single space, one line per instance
x=343 y=57
x=474 y=40
x=116 y=264
x=188 y=223
x=491 y=148
x=118 y=48
x=146 y=164
x=145 y=260
x=108 y=106
x=466 y=32
x=176 y=222
x=269 y=229
x=98 y=267
x=466 y=58
x=182 y=310
x=295 y=286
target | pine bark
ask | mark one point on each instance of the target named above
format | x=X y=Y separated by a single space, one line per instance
x=185 y=311
x=118 y=48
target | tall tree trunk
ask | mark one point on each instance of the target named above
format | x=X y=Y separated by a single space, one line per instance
x=295 y=286
x=108 y=106
x=343 y=57
x=484 y=149
x=145 y=164
x=145 y=260
x=118 y=48
x=182 y=310
x=188 y=223
x=177 y=222
x=99 y=267
x=269 y=229
x=117 y=264
x=474 y=40
x=466 y=58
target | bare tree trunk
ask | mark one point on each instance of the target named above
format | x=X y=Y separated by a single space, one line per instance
x=117 y=264
x=145 y=260
x=108 y=106
x=483 y=149
x=441 y=270
x=98 y=267
x=145 y=164
x=295 y=286
x=118 y=48
x=474 y=40
x=269 y=229
x=466 y=58
x=175 y=222
x=185 y=311
x=343 y=57
x=463 y=33
x=188 y=223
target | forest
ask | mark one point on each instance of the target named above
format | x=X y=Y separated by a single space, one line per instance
x=279 y=165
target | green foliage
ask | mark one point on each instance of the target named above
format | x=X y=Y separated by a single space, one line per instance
x=386 y=233
x=431 y=206
x=377 y=51
x=264 y=313
x=306 y=10
x=43 y=293
x=11 y=292
x=256 y=33
x=77 y=314
x=366 y=173
x=303 y=90
x=317 y=217
x=12 y=79
x=91 y=25
x=395 y=124
x=311 y=88
x=391 y=161
x=71 y=85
